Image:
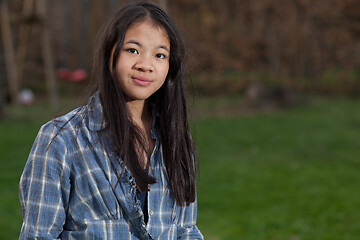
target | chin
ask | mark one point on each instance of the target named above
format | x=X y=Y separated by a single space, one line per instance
x=138 y=98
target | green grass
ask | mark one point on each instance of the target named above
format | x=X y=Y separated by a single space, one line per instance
x=286 y=175
x=289 y=175
x=16 y=138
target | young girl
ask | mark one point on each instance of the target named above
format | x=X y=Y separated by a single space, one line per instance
x=122 y=166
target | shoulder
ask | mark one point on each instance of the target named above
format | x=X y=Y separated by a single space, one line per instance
x=89 y=116
x=66 y=132
x=54 y=133
x=62 y=123
x=49 y=152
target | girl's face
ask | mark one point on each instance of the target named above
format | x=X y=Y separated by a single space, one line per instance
x=143 y=61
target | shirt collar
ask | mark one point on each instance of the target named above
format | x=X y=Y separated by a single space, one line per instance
x=95 y=119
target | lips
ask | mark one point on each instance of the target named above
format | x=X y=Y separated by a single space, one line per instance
x=141 y=81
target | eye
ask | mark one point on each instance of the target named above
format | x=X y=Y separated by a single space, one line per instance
x=132 y=50
x=160 y=55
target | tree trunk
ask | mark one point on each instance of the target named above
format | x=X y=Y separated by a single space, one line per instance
x=24 y=35
x=49 y=65
x=64 y=36
x=83 y=36
x=9 y=51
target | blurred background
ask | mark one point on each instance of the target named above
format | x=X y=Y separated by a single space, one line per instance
x=274 y=89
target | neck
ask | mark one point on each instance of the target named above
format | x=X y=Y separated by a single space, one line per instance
x=139 y=111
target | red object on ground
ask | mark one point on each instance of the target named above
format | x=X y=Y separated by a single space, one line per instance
x=78 y=75
x=63 y=73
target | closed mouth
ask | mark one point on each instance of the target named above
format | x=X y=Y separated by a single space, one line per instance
x=141 y=81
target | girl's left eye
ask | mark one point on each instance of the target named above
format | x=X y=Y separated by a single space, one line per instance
x=161 y=56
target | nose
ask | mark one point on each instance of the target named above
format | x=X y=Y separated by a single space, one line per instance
x=144 y=64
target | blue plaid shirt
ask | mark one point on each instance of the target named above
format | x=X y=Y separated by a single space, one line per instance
x=68 y=188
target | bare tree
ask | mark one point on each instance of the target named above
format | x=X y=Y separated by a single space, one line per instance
x=9 y=51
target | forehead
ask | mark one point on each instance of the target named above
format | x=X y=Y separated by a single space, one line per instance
x=149 y=31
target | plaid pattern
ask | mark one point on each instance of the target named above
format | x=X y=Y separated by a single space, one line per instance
x=67 y=189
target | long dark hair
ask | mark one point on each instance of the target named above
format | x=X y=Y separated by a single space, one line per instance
x=169 y=101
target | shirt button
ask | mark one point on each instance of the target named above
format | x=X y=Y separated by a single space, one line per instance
x=151 y=213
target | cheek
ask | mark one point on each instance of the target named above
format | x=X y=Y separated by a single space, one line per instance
x=122 y=67
x=165 y=72
x=163 y=75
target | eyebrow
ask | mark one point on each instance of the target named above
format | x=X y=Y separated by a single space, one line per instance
x=140 y=45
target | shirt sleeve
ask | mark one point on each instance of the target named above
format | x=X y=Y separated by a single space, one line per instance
x=44 y=186
x=187 y=228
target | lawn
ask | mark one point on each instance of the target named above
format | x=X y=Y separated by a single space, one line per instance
x=285 y=175
x=289 y=175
